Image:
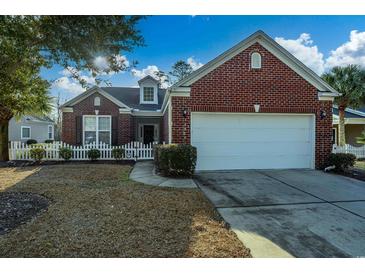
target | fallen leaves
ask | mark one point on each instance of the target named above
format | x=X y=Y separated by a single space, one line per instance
x=95 y=211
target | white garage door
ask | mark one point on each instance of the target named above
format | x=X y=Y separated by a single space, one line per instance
x=253 y=141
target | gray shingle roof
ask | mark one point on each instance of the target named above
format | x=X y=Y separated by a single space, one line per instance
x=349 y=114
x=130 y=97
x=38 y=118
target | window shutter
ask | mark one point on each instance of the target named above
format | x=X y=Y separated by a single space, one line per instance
x=78 y=130
x=114 y=131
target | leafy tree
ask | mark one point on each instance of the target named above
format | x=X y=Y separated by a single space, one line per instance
x=180 y=70
x=350 y=82
x=28 y=43
x=162 y=77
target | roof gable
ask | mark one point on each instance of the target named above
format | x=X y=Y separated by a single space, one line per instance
x=274 y=48
x=124 y=97
x=91 y=91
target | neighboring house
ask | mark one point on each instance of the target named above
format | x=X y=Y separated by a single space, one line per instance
x=253 y=107
x=354 y=125
x=39 y=128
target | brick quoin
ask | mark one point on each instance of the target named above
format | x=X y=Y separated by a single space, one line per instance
x=86 y=107
x=235 y=87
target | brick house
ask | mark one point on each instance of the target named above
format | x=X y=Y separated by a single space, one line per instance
x=254 y=106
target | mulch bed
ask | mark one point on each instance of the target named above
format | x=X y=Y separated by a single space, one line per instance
x=17 y=208
x=96 y=211
x=354 y=173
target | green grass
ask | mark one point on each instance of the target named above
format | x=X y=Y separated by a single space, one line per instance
x=360 y=165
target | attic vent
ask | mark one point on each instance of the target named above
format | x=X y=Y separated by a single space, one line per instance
x=97 y=101
x=256 y=60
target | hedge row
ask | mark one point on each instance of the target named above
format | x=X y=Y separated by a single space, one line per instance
x=175 y=159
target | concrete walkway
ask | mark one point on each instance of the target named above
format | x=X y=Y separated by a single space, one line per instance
x=143 y=172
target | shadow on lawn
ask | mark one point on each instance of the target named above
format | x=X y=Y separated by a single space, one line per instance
x=95 y=211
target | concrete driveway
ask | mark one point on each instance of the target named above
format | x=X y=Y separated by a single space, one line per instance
x=290 y=213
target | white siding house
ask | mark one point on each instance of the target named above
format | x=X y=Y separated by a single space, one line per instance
x=31 y=127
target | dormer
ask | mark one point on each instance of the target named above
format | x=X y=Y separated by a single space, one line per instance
x=148 y=90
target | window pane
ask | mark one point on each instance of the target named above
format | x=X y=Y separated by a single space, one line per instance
x=90 y=124
x=25 y=132
x=148 y=94
x=104 y=137
x=97 y=101
x=104 y=123
x=50 y=131
x=256 y=60
x=90 y=137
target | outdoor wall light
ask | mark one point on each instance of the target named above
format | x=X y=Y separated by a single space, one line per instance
x=322 y=114
x=185 y=112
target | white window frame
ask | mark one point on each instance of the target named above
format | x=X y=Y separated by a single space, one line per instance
x=52 y=132
x=334 y=130
x=97 y=127
x=253 y=54
x=154 y=95
x=97 y=101
x=141 y=97
x=21 y=133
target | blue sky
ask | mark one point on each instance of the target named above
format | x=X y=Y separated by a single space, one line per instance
x=319 y=41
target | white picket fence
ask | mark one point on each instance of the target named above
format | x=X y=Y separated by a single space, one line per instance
x=133 y=151
x=359 y=152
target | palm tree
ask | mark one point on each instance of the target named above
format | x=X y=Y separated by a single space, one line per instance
x=350 y=82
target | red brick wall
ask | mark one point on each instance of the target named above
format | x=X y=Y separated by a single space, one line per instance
x=235 y=87
x=86 y=107
x=125 y=129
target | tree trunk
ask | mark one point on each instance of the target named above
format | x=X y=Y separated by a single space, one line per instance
x=4 y=149
x=341 y=126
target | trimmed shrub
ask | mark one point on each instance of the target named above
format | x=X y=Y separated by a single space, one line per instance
x=118 y=153
x=342 y=161
x=31 y=142
x=48 y=141
x=65 y=153
x=175 y=159
x=93 y=154
x=37 y=153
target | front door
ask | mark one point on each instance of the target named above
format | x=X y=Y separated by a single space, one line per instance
x=148 y=134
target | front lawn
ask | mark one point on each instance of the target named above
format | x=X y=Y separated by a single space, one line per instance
x=95 y=211
x=360 y=165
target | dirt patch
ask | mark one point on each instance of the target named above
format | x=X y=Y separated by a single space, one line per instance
x=17 y=208
x=95 y=211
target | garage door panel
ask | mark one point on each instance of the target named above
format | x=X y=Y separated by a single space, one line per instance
x=250 y=134
x=241 y=141
x=227 y=163
x=255 y=148
x=231 y=121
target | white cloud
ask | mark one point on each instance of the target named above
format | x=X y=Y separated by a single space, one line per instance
x=351 y=52
x=303 y=49
x=149 y=70
x=70 y=84
x=193 y=63
x=67 y=84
